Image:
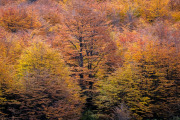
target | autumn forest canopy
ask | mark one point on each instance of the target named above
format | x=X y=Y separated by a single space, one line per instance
x=89 y=60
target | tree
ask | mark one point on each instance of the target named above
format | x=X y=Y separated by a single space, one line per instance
x=10 y=50
x=147 y=80
x=154 y=9
x=156 y=61
x=5 y=83
x=122 y=88
x=14 y=18
x=88 y=46
x=43 y=87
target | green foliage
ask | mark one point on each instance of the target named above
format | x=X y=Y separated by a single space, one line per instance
x=175 y=118
x=89 y=115
x=121 y=87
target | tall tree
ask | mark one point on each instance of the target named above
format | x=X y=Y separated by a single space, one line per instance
x=88 y=45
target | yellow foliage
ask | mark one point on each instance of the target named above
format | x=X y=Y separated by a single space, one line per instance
x=153 y=9
x=176 y=15
x=40 y=57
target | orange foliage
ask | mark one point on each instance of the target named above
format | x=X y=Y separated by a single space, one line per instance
x=14 y=18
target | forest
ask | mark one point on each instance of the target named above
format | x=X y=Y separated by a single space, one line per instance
x=89 y=60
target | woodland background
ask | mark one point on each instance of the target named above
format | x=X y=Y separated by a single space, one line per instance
x=89 y=59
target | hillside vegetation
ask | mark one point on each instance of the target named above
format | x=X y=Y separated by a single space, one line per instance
x=89 y=59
